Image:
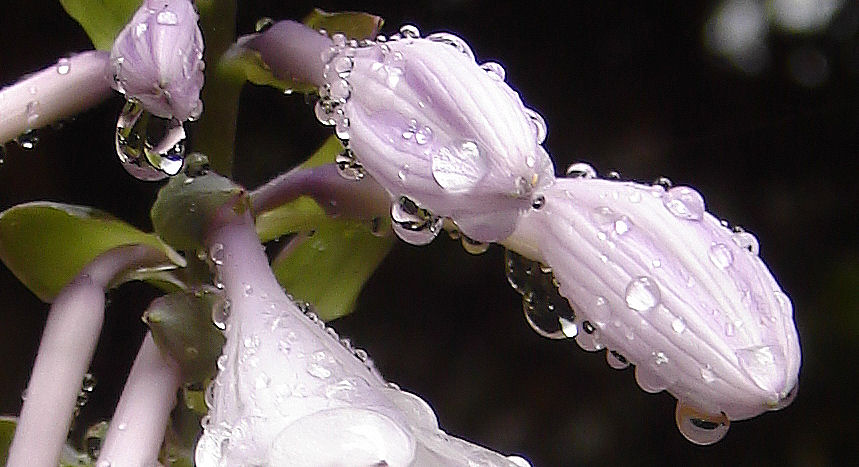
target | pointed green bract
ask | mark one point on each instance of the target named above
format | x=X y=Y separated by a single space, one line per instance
x=101 y=19
x=47 y=244
x=329 y=267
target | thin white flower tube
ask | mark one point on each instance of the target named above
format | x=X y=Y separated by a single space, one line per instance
x=137 y=428
x=68 y=342
x=60 y=91
x=290 y=393
x=654 y=277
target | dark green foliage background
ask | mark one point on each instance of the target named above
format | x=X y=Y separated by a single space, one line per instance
x=624 y=86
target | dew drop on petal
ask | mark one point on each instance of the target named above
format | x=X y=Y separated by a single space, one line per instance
x=678 y=325
x=721 y=255
x=616 y=360
x=747 y=241
x=581 y=170
x=699 y=427
x=473 y=246
x=495 y=70
x=761 y=363
x=216 y=253
x=642 y=294
x=458 y=167
x=538 y=125
x=685 y=203
x=167 y=18
x=64 y=65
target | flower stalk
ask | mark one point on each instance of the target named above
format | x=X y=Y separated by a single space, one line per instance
x=60 y=91
x=68 y=342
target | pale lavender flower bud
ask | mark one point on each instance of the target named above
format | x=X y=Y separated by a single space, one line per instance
x=655 y=278
x=423 y=119
x=157 y=59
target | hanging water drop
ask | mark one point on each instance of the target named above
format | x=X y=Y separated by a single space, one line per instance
x=348 y=166
x=685 y=203
x=538 y=202
x=216 y=254
x=581 y=170
x=454 y=41
x=64 y=66
x=139 y=156
x=616 y=360
x=410 y=31
x=642 y=294
x=663 y=182
x=412 y=223
x=473 y=246
x=699 y=427
x=27 y=140
x=538 y=125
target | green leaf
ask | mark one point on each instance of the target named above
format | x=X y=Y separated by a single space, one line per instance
x=7 y=431
x=101 y=19
x=329 y=266
x=46 y=244
x=355 y=25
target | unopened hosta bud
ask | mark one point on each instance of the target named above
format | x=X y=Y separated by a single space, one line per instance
x=157 y=59
x=662 y=284
x=425 y=120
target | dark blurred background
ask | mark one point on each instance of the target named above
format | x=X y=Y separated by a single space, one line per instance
x=756 y=104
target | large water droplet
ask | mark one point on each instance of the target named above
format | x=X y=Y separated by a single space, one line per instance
x=412 y=223
x=546 y=311
x=721 y=255
x=685 y=203
x=167 y=18
x=700 y=427
x=458 y=167
x=142 y=158
x=642 y=294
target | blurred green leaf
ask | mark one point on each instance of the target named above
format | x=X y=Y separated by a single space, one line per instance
x=328 y=266
x=7 y=431
x=101 y=19
x=46 y=244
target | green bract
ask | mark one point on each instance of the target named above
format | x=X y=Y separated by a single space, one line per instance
x=46 y=244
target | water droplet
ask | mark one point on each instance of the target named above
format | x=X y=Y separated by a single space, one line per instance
x=458 y=167
x=785 y=399
x=410 y=31
x=663 y=182
x=616 y=360
x=28 y=140
x=648 y=380
x=342 y=65
x=685 y=203
x=249 y=290
x=642 y=294
x=88 y=383
x=546 y=311
x=699 y=427
x=142 y=158
x=495 y=70
x=747 y=241
x=423 y=135
x=538 y=125
x=678 y=325
x=263 y=24
x=64 y=65
x=473 y=246
x=348 y=166
x=613 y=175
x=761 y=364
x=707 y=374
x=720 y=255
x=122 y=426
x=581 y=170
x=538 y=202
x=659 y=358
x=453 y=41
x=167 y=18
x=341 y=129
x=519 y=461
x=216 y=253
x=412 y=223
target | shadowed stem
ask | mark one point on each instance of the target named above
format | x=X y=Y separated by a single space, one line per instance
x=137 y=428
x=68 y=342
x=60 y=91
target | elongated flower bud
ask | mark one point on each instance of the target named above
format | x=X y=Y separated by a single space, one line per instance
x=655 y=278
x=424 y=120
x=157 y=59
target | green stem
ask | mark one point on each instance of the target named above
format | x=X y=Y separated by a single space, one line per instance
x=215 y=133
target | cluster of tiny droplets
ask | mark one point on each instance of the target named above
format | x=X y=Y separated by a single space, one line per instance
x=361 y=354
